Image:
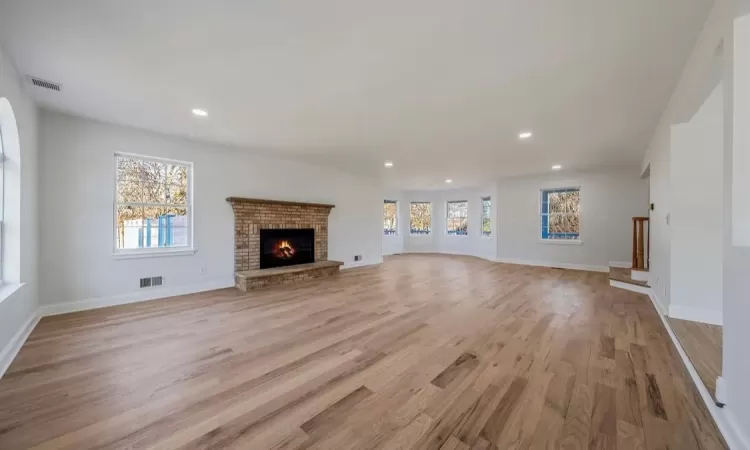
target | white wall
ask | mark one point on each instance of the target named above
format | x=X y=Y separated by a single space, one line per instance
x=473 y=244
x=609 y=201
x=20 y=249
x=77 y=200
x=697 y=226
x=732 y=37
x=394 y=244
x=736 y=370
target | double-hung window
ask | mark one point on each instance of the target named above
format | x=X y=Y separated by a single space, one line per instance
x=420 y=218
x=487 y=216
x=457 y=218
x=153 y=205
x=390 y=217
x=561 y=214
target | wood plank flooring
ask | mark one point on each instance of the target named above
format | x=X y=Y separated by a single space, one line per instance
x=703 y=344
x=422 y=352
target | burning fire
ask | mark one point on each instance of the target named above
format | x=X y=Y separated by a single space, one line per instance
x=283 y=249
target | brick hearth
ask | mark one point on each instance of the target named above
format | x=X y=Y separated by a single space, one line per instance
x=251 y=215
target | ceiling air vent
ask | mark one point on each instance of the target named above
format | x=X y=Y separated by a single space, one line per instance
x=44 y=84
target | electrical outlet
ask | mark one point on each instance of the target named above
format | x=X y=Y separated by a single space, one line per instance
x=357 y=257
x=204 y=270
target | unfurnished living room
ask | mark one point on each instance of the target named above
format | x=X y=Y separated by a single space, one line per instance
x=361 y=224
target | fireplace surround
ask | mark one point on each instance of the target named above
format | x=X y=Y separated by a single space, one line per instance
x=255 y=219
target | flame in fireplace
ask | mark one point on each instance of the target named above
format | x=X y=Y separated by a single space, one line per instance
x=283 y=249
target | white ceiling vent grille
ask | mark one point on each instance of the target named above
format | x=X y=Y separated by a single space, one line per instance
x=45 y=84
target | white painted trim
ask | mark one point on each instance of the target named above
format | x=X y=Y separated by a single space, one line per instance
x=14 y=346
x=639 y=275
x=156 y=253
x=357 y=264
x=694 y=314
x=630 y=287
x=660 y=305
x=724 y=418
x=621 y=264
x=561 y=241
x=133 y=297
x=8 y=289
x=721 y=390
x=555 y=265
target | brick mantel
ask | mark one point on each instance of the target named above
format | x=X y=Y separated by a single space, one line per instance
x=251 y=215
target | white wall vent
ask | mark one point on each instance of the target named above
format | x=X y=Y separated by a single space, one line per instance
x=156 y=281
x=44 y=84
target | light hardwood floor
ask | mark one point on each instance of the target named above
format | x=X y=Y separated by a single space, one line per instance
x=703 y=344
x=422 y=352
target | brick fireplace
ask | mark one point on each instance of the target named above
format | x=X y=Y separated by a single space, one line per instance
x=253 y=217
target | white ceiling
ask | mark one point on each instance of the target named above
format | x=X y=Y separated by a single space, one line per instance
x=440 y=87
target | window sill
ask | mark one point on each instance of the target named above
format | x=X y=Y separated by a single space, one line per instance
x=8 y=289
x=154 y=253
x=561 y=241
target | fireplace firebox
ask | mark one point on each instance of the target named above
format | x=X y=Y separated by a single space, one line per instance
x=286 y=247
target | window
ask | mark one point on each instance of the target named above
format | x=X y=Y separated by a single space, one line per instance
x=560 y=214
x=420 y=218
x=487 y=216
x=153 y=204
x=457 y=218
x=390 y=218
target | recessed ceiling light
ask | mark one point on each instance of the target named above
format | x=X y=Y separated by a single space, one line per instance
x=388 y=164
x=524 y=135
x=449 y=180
x=200 y=112
x=556 y=167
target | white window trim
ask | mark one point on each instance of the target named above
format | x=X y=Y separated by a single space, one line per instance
x=155 y=252
x=579 y=240
x=398 y=219
x=447 y=218
x=481 y=218
x=428 y=234
x=561 y=241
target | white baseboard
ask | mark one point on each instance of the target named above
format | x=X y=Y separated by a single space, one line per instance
x=133 y=297
x=621 y=264
x=361 y=264
x=10 y=351
x=724 y=418
x=694 y=314
x=554 y=265
x=434 y=252
x=630 y=287
x=662 y=307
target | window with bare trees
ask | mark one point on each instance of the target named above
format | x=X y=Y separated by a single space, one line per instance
x=152 y=204
x=420 y=218
x=390 y=217
x=457 y=220
x=560 y=214
x=487 y=216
